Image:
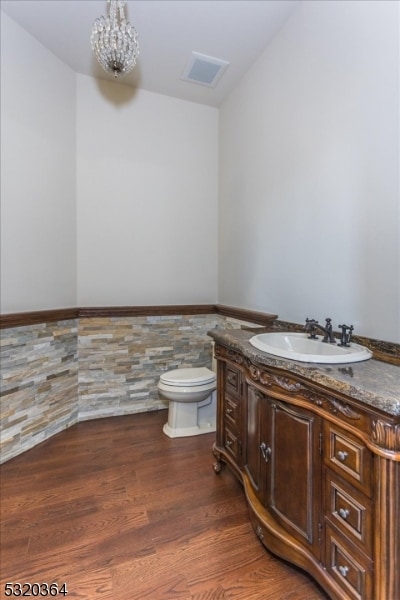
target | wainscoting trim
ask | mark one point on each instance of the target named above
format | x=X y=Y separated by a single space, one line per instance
x=62 y=314
x=37 y=316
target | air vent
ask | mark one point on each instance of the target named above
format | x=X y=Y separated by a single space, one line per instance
x=204 y=69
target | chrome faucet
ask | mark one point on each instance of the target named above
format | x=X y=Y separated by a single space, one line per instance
x=312 y=325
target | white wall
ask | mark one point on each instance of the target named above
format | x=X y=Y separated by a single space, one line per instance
x=309 y=169
x=38 y=211
x=147 y=172
x=309 y=172
x=142 y=169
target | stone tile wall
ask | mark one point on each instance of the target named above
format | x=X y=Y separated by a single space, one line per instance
x=55 y=374
x=121 y=359
x=39 y=384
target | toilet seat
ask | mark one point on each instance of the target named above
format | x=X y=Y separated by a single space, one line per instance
x=188 y=377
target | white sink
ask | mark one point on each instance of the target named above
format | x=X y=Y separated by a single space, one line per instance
x=297 y=346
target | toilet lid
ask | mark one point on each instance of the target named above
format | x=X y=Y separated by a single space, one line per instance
x=188 y=377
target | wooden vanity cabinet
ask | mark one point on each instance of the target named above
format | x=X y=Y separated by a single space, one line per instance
x=229 y=415
x=281 y=445
x=322 y=491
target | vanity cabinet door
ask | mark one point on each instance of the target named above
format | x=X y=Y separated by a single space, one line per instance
x=255 y=448
x=293 y=494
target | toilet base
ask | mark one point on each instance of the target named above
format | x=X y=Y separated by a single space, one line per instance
x=174 y=432
x=191 y=418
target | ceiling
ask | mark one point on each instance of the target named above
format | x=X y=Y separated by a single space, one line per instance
x=169 y=30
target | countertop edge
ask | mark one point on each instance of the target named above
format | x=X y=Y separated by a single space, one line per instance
x=326 y=375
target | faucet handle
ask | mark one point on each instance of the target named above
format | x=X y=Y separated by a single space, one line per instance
x=311 y=322
x=310 y=327
x=347 y=335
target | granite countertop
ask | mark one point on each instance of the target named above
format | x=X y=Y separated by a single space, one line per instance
x=372 y=382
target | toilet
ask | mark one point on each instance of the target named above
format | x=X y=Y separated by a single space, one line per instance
x=191 y=393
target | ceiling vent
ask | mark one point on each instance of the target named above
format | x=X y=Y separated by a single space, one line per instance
x=204 y=69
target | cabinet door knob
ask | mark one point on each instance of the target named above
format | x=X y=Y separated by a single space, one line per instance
x=265 y=451
x=343 y=570
x=228 y=443
x=344 y=512
x=229 y=411
x=342 y=455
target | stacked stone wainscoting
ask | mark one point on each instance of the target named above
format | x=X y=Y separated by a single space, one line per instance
x=56 y=374
x=121 y=359
x=39 y=384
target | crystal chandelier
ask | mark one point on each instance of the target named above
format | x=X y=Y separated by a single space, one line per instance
x=115 y=41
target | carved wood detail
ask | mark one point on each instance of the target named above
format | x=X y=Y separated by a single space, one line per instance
x=386 y=435
x=331 y=403
x=221 y=352
x=289 y=384
x=219 y=465
x=237 y=358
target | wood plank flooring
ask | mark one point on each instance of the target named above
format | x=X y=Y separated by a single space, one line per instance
x=119 y=511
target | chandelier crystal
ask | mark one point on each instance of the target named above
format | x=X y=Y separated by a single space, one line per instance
x=115 y=41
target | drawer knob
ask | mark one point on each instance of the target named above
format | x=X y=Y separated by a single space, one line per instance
x=228 y=443
x=343 y=570
x=342 y=455
x=229 y=411
x=344 y=513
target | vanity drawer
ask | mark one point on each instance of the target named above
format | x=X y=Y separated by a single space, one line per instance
x=348 y=457
x=232 y=413
x=349 y=567
x=233 y=381
x=349 y=510
x=231 y=443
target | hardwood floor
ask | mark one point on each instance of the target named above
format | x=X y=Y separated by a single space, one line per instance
x=119 y=511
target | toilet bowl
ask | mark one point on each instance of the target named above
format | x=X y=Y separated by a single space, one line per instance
x=192 y=401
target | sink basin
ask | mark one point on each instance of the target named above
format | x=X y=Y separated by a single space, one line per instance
x=297 y=346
